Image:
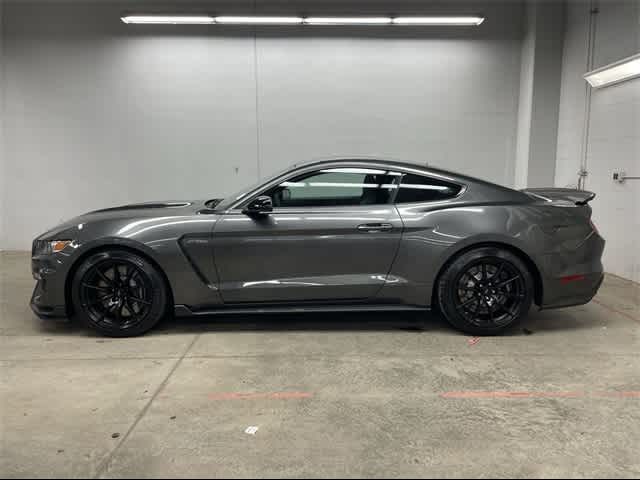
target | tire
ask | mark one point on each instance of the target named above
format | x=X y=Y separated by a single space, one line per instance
x=484 y=291
x=126 y=307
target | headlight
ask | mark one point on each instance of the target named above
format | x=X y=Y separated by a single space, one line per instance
x=47 y=247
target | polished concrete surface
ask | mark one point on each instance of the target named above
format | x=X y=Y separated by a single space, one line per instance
x=366 y=395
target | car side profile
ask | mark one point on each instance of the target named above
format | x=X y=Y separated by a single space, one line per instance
x=340 y=234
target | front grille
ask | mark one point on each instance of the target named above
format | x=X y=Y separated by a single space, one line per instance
x=37 y=247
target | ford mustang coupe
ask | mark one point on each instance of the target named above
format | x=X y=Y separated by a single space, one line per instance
x=347 y=234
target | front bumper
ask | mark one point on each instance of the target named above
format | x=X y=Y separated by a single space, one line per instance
x=48 y=298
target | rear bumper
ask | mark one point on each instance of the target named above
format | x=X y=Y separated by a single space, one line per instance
x=575 y=292
x=575 y=276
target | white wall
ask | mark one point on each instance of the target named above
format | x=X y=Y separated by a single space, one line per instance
x=101 y=113
x=540 y=71
x=613 y=140
x=525 y=107
x=3 y=176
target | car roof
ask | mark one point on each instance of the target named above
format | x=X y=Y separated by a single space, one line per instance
x=360 y=158
x=389 y=162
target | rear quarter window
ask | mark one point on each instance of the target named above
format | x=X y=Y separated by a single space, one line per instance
x=418 y=188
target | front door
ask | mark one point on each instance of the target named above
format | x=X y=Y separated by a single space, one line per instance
x=332 y=235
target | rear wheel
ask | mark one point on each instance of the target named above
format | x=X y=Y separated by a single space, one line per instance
x=485 y=290
x=119 y=293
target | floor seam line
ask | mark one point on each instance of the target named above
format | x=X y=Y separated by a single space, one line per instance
x=615 y=310
x=104 y=466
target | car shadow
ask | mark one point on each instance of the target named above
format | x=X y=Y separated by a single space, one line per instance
x=334 y=321
x=416 y=322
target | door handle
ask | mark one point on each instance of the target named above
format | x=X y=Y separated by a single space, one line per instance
x=375 y=227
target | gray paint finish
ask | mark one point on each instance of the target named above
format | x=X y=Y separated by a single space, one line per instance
x=222 y=255
x=138 y=112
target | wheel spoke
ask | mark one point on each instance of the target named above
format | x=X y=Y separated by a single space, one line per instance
x=484 y=271
x=91 y=304
x=130 y=307
x=129 y=275
x=118 y=312
x=96 y=287
x=489 y=309
x=507 y=282
x=467 y=289
x=468 y=301
x=106 y=279
x=499 y=271
x=139 y=300
x=512 y=295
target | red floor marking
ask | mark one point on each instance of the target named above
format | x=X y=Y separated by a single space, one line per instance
x=472 y=341
x=512 y=394
x=615 y=310
x=480 y=394
x=255 y=396
x=620 y=394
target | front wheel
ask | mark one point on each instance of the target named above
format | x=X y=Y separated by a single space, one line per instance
x=485 y=290
x=119 y=293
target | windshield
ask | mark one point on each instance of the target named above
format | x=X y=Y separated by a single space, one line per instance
x=233 y=198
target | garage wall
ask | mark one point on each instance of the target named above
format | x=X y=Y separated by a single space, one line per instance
x=100 y=113
x=613 y=138
x=540 y=72
x=3 y=179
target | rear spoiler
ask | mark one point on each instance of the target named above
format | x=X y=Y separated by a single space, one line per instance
x=578 y=197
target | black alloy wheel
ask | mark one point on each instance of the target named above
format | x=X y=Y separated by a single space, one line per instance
x=119 y=293
x=489 y=292
x=485 y=290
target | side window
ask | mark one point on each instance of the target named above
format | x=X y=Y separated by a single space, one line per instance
x=416 y=188
x=336 y=187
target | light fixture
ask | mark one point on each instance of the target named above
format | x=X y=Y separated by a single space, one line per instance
x=616 y=72
x=258 y=20
x=295 y=20
x=347 y=20
x=168 y=19
x=438 y=21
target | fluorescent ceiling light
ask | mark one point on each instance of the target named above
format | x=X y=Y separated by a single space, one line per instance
x=616 y=72
x=259 y=20
x=168 y=19
x=347 y=20
x=294 y=20
x=438 y=20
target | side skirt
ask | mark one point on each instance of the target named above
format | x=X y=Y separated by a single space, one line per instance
x=184 y=311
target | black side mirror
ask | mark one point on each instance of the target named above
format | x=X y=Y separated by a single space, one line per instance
x=261 y=205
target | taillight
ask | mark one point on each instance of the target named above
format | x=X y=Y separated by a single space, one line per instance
x=593 y=226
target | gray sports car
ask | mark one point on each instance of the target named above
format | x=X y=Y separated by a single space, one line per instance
x=347 y=234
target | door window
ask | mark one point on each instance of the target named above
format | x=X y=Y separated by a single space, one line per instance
x=336 y=187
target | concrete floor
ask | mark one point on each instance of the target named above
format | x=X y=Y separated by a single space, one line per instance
x=344 y=396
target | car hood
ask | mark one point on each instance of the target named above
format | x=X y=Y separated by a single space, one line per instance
x=164 y=208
